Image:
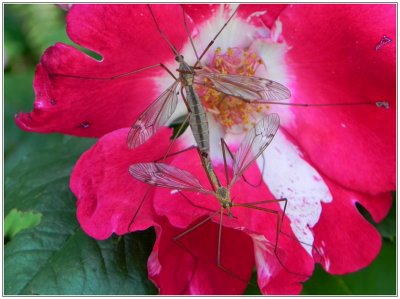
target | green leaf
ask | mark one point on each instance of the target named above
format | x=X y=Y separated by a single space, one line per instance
x=34 y=22
x=387 y=227
x=16 y=221
x=377 y=279
x=56 y=257
x=252 y=288
x=178 y=126
x=17 y=143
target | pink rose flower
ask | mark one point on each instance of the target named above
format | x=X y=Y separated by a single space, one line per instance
x=324 y=159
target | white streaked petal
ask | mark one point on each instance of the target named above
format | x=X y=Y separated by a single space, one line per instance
x=287 y=175
x=273 y=55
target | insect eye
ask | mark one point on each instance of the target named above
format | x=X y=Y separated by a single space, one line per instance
x=224 y=205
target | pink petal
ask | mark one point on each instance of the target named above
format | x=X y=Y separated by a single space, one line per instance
x=171 y=276
x=347 y=241
x=107 y=194
x=268 y=13
x=378 y=206
x=283 y=276
x=332 y=58
x=190 y=266
x=276 y=280
x=127 y=39
x=200 y=12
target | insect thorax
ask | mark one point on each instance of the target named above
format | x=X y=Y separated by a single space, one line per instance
x=186 y=73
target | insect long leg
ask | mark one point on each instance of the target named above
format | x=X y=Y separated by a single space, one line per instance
x=215 y=37
x=258 y=184
x=196 y=226
x=188 y=33
x=379 y=104
x=253 y=205
x=194 y=205
x=118 y=76
x=139 y=207
x=225 y=147
x=167 y=154
x=225 y=162
x=177 y=135
x=162 y=33
x=194 y=267
x=219 y=264
x=314 y=248
x=176 y=153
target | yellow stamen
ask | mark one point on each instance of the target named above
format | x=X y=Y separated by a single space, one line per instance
x=228 y=110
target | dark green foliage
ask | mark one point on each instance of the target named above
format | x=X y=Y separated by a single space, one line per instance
x=377 y=279
x=29 y=30
x=56 y=257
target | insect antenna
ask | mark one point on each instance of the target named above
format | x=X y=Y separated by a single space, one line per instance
x=162 y=33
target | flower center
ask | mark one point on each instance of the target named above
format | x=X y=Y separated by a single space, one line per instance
x=232 y=112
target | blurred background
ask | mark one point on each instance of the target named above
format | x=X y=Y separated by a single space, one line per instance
x=28 y=31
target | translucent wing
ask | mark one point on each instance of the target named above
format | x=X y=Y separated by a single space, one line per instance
x=251 y=89
x=167 y=176
x=154 y=117
x=254 y=143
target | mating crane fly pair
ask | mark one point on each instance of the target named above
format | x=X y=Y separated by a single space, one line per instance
x=249 y=89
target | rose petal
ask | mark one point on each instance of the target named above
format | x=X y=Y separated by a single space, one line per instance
x=333 y=59
x=108 y=196
x=267 y=13
x=200 y=12
x=170 y=272
x=347 y=241
x=127 y=38
x=189 y=266
x=378 y=206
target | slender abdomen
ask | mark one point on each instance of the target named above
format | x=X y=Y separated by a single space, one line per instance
x=198 y=120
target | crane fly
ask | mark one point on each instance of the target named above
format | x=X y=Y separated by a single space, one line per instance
x=253 y=145
x=249 y=89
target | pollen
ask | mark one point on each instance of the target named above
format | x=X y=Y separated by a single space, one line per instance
x=228 y=110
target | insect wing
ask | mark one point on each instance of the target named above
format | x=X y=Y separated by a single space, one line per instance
x=247 y=88
x=254 y=143
x=154 y=117
x=167 y=176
